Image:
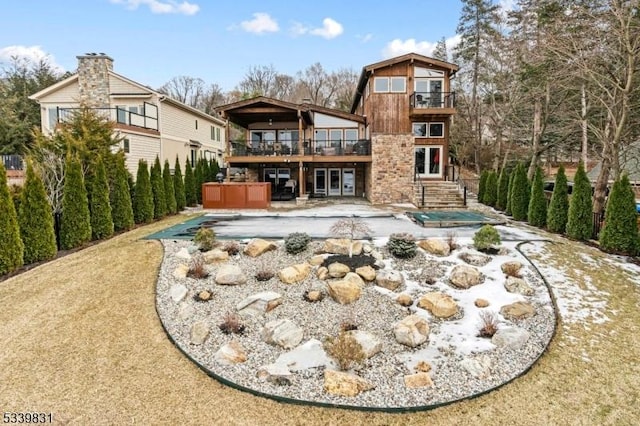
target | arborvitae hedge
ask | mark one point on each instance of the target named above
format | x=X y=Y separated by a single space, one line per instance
x=75 y=224
x=520 y=194
x=178 y=186
x=11 y=248
x=537 y=213
x=482 y=184
x=620 y=231
x=101 y=220
x=169 y=192
x=507 y=209
x=35 y=218
x=213 y=170
x=491 y=189
x=580 y=222
x=121 y=208
x=559 y=205
x=503 y=190
x=143 y=197
x=189 y=186
x=199 y=174
x=157 y=187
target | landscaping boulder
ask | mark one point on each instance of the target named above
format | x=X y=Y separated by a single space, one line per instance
x=294 y=274
x=338 y=270
x=183 y=253
x=518 y=311
x=258 y=247
x=345 y=384
x=518 y=285
x=177 y=292
x=366 y=272
x=435 y=246
x=370 y=344
x=230 y=354
x=322 y=273
x=345 y=291
x=230 y=275
x=317 y=260
x=199 y=332
x=418 y=380
x=181 y=272
x=411 y=331
x=481 y=303
x=389 y=279
x=510 y=337
x=475 y=259
x=214 y=256
x=511 y=268
x=282 y=332
x=464 y=277
x=259 y=303
x=479 y=367
x=310 y=354
x=273 y=372
x=440 y=305
x=341 y=246
x=404 y=300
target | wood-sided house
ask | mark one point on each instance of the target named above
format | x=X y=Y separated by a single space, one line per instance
x=394 y=141
x=149 y=123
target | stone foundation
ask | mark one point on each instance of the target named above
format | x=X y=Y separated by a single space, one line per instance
x=391 y=179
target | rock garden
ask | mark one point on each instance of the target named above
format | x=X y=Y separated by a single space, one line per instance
x=389 y=323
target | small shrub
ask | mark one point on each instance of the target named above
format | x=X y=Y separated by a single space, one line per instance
x=264 y=275
x=231 y=324
x=486 y=238
x=205 y=238
x=197 y=269
x=345 y=349
x=402 y=245
x=296 y=242
x=488 y=324
x=452 y=240
x=231 y=247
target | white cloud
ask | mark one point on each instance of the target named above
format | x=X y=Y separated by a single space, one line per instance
x=33 y=54
x=261 y=23
x=330 y=29
x=162 y=6
x=399 y=47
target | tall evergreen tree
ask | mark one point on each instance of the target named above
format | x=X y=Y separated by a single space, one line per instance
x=143 y=208
x=491 y=189
x=482 y=185
x=178 y=186
x=35 y=218
x=75 y=224
x=620 y=231
x=520 y=194
x=11 y=247
x=169 y=191
x=199 y=175
x=157 y=188
x=503 y=190
x=213 y=170
x=507 y=209
x=121 y=208
x=100 y=208
x=559 y=205
x=440 y=51
x=537 y=212
x=189 y=185
x=580 y=222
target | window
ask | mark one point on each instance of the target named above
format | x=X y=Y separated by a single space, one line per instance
x=428 y=130
x=398 y=85
x=53 y=118
x=213 y=133
x=196 y=124
x=390 y=84
x=121 y=112
x=351 y=135
x=193 y=156
x=125 y=146
x=381 y=84
x=218 y=134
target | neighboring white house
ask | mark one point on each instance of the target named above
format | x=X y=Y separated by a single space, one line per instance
x=149 y=123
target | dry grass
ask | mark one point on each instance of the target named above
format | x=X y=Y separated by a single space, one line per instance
x=79 y=337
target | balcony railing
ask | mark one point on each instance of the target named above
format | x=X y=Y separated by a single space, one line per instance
x=148 y=120
x=12 y=162
x=433 y=100
x=310 y=147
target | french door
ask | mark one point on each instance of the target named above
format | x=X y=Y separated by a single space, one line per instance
x=335 y=180
x=428 y=160
x=348 y=181
x=320 y=181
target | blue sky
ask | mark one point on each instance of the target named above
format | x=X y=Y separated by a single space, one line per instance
x=152 y=41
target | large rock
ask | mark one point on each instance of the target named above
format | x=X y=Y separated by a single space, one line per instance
x=310 y=354
x=418 y=380
x=294 y=274
x=273 y=372
x=181 y=272
x=518 y=311
x=518 y=285
x=282 y=332
x=464 y=277
x=183 y=253
x=230 y=354
x=215 y=255
x=345 y=384
x=259 y=303
x=389 y=279
x=199 y=332
x=258 y=247
x=510 y=337
x=440 y=305
x=230 y=275
x=366 y=272
x=338 y=270
x=341 y=246
x=370 y=344
x=322 y=273
x=317 y=260
x=481 y=303
x=411 y=331
x=404 y=300
x=511 y=268
x=177 y=292
x=479 y=367
x=475 y=259
x=435 y=246
x=345 y=291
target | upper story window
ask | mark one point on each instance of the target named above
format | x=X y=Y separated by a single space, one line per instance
x=213 y=133
x=428 y=130
x=218 y=134
x=196 y=124
x=126 y=146
x=390 y=84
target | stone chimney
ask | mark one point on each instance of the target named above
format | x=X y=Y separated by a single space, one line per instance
x=93 y=79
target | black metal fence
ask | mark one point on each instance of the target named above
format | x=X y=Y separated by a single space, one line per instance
x=12 y=162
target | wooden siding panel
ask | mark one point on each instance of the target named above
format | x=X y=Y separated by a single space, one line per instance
x=117 y=85
x=69 y=94
x=140 y=147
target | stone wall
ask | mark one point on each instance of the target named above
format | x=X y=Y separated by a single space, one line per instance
x=93 y=79
x=391 y=179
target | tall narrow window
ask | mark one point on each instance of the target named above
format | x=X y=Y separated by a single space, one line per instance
x=196 y=124
x=125 y=146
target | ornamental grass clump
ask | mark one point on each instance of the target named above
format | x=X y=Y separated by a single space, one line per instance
x=345 y=349
x=296 y=242
x=231 y=324
x=486 y=239
x=488 y=324
x=402 y=245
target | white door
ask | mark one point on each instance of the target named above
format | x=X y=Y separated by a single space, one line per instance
x=348 y=181
x=335 y=187
x=429 y=161
x=320 y=181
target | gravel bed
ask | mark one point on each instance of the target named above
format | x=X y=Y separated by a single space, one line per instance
x=376 y=312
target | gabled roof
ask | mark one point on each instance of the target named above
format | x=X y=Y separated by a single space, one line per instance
x=334 y=112
x=262 y=108
x=54 y=87
x=368 y=70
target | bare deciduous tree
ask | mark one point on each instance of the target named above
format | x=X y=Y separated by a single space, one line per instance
x=350 y=228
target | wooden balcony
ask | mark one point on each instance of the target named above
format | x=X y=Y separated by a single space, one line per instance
x=312 y=151
x=432 y=103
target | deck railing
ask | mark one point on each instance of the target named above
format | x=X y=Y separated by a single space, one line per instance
x=433 y=100
x=309 y=147
x=147 y=120
x=12 y=162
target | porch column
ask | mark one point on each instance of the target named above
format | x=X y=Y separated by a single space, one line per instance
x=300 y=136
x=302 y=178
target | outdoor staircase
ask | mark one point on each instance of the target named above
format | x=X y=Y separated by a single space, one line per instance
x=438 y=195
